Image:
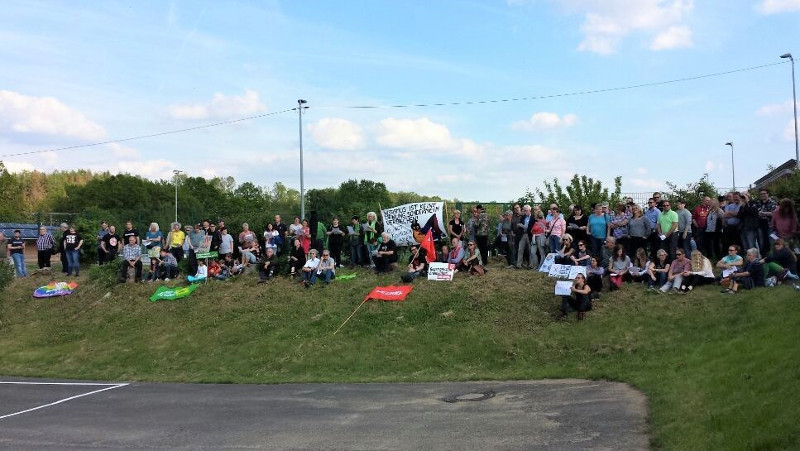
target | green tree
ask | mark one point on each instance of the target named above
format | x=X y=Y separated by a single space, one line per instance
x=582 y=190
x=693 y=192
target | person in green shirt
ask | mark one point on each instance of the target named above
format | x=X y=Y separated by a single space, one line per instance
x=666 y=228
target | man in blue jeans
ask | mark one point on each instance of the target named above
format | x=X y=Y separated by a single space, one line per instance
x=16 y=247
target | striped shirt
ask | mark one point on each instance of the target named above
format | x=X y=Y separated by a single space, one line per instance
x=45 y=242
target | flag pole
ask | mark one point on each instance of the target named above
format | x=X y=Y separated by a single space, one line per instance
x=351 y=315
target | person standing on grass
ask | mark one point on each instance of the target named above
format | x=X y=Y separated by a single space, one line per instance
x=684 y=227
x=283 y=231
x=72 y=245
x=355 y=239
x=666 y=229
x=63 y=228
x=45 y=247
x=16 y=247
x=131 y=258
x=336 y=235
x=482 y=233
x=130 y=232
x=101 y=256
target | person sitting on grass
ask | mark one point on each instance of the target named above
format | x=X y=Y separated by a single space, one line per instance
x=579 y=300
x=456 y=253
x=202 y=272
x=658 y=270
x=618 y=268
x=131 y=258
x=730 y=263
x=472 y=263
x=781 y=262
x=566 y=251
x=326 y=269
x=229 y=268
x=418 y=266
x=269 y=266
x=167 y=265
x=702 y=272
x=309 y=268
x=640 y=265
x=679 y=269
x=594 y=277
x=386 y=254
x=441 y=256
x=297 y=258
x=582 y=256
x=214 y=269
x=750 y=276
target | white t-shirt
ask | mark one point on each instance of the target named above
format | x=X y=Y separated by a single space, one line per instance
x=226 y=244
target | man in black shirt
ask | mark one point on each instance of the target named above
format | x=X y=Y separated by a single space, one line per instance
x=283 y=231
x=129 y=232
x=110 y=245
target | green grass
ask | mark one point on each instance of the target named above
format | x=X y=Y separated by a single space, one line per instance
x=720 y=372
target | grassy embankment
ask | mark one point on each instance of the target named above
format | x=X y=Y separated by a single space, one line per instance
x=719 y=371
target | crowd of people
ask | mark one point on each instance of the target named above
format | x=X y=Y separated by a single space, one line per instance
x=663 y=244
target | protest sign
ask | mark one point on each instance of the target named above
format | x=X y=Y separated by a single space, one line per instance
x=563 y=288
x=441 y=271
x=548 y=262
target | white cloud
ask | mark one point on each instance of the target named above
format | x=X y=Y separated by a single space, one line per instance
x=672 y=38
x=454 y=178
x=648 y=184
x=337 y=133
x=546 y=121
x=15 y=167
x=607 y=22
x=413 y=133
x=45 y=115
x=220 y=107
x=123 y=152
x=777 y=6
x=775 y=109
x=641 y=170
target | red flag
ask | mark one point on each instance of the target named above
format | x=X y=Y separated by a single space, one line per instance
x=427 y=244
x=390 y=293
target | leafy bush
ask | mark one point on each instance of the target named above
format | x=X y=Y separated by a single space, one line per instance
x=105 y=274
x=692 y=193
x=6 y=274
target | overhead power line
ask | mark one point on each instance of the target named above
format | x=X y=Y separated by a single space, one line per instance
x=415 y=105
x=153 y=135
x=550 y=96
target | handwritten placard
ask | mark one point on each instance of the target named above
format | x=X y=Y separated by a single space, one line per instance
x=441 y=271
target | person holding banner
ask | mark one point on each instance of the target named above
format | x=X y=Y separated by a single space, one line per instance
x=579 y=300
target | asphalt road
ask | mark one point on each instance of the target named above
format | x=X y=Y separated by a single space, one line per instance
x=550 y=415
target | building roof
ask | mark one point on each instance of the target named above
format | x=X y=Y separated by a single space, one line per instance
x=777 y=173
x=28 y=231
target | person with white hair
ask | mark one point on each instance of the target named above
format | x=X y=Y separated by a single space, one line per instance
x=153 y=240
x=385 y=254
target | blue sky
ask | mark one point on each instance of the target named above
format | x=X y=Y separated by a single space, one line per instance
x=81 y=72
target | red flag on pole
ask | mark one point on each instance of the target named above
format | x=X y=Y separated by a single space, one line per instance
x=427 y=244
x=390 y=293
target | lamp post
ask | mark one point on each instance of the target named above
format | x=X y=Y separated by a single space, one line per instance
x=733 y=166
x=300 y=107
x=794 y=104
x=176 y=172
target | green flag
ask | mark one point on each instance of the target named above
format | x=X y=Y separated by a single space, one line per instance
x=169 y=294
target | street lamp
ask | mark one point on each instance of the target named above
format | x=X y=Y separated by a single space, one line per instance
x=794 y=104
x=300 y=107
x=733 y=166
x=176 y=172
